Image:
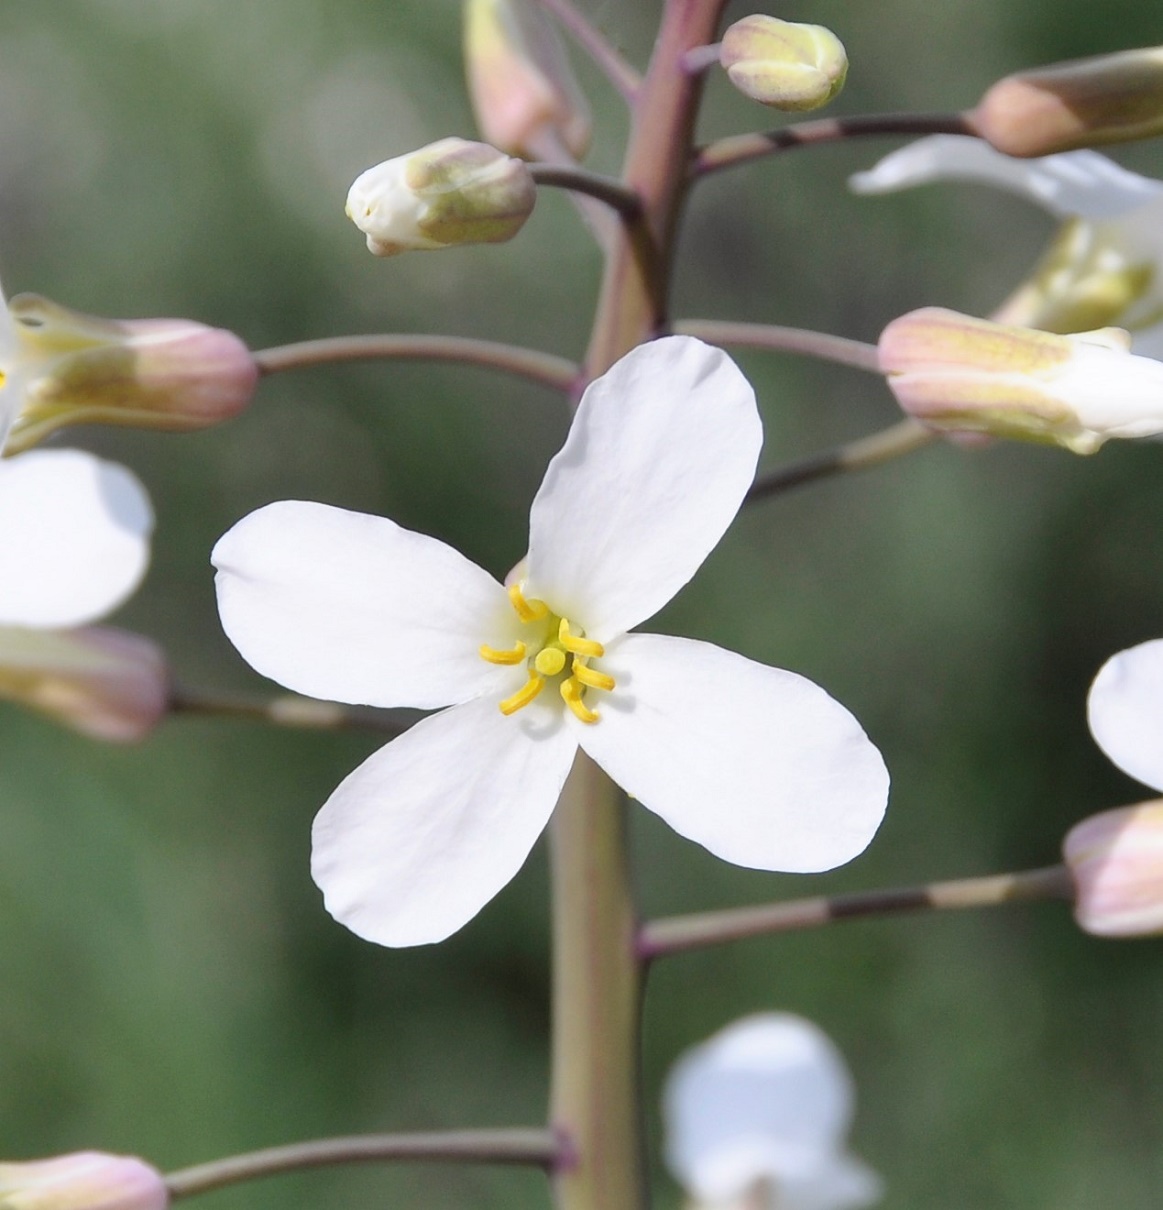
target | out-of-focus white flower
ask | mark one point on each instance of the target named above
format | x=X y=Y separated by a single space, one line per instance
x=449 y=193
x=1125 y=711
x=85 y=1180
x=963 y=375
x=758 y=765
x=757 y=1118
x=784 y=64
x=1105 y=267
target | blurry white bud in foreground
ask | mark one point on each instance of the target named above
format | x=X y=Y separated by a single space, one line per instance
x=86 y=1180
x=523 y=93
x=1116 y=859
x=170 y=374
x=963 y=375
x=1104 y=267
x=1103 y=99
x=783 y=64
x=757 y=1117
x=448 y=193
x=105 y=683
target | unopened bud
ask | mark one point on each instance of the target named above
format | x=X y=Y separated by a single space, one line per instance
x=1083 y=103
x=448 y=193
x=1116 y=860
x=153 y=373
x=519 y=80
x=105 y=683
x=963 y=375
x=784 y=64
x=86 y=1180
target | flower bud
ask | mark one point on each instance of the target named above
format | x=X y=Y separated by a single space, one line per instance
x=86 y=1180
x=784 y=64
x=450 y=192
x=154 y=373
x=1116 y=859
x=963 y=375
x=519 y=80
x=1083 y=103
x=105 y=683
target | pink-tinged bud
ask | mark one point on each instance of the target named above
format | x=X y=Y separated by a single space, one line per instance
x=962 y=375
x=1116 y=859
x=108 y=684
x=783 y=64
x=523 y=92
x=86 y=1180
x=1083 y=103
x=151 y=373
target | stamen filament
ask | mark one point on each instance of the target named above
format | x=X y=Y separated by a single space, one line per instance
x=527 y=610
x=524 y=695
x=571 y=693
x=576 y=645
x=592 y=677
x=504 y=656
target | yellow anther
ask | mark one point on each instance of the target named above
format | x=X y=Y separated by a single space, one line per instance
x=524 y=695
x=575 y=645
x=550 y=661
x=513 y=656
x=591 y=677
x=527 y=611
x=571 y=692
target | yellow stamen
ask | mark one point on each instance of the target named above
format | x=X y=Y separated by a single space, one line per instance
x=527 y=611
x=515 y=656
x=571 y=692
x=524 y=695
x=550 y=661
x=592 y=677
x=575 y=645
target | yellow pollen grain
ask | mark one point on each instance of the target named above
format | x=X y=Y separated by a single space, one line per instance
x=576 y=645
x=494 y=656
x=550 y=661
x=571 y=694
x=527 y=610
x=524 y=695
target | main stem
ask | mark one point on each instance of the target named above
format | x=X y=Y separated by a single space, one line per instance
x=595 y=1100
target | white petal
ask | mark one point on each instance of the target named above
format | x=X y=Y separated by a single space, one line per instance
x=758 y=765
x=661 y=452
x=842 y=1183
x=345 y=606
x=74 y=541
x=428 y=829
x=1125 y=710
x=1081 y=183
x=767 y=1097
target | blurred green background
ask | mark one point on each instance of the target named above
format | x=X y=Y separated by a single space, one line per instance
x=171 y=986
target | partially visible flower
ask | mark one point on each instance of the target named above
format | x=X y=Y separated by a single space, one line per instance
x=1105 y=266
x=153 y=373
x=1117 y=857
x=1102 y=99
x=784 y=64
x=449 y=193
x=85 y=1180
x=109 y=684
x=757 y=1118
x=758 y=765
x=963 y=375
x=523 y=92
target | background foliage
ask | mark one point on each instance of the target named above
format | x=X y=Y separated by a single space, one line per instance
x=171 y=986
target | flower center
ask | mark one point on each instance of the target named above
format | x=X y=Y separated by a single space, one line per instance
x=552 y=650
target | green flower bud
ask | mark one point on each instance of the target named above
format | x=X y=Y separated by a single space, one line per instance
x=783 y=64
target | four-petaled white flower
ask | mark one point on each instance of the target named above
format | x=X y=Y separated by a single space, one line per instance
x=758 y=765
x=757 y=1117
x=1105 y=267
x=1125 y=711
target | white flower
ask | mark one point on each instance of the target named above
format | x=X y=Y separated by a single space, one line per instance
x=1125 y=711
x=758 y=765
x=1106 y=266
x=757 y=1117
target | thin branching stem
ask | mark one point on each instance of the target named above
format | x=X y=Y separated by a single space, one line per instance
x=285 y=710
x=743 y=148
x=677 y=934
x=536 y=1148
x=606 y=189
x=549 y=370
x=839 y=349
x=617 y=70
x=893 y=442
